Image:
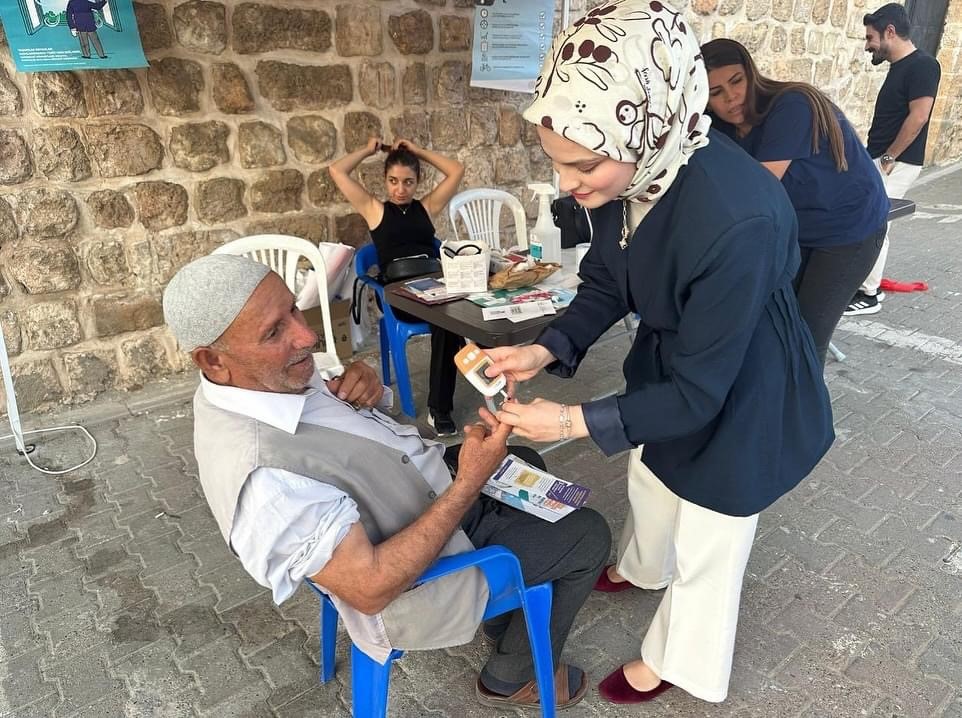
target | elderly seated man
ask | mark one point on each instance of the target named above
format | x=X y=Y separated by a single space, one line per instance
x=308 y=478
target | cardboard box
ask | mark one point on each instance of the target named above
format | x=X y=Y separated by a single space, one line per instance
x=340 y=323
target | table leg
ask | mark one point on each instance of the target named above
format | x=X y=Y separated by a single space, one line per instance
x=836 y=352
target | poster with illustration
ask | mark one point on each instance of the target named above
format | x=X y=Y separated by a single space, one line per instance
x=46 y=35
x=511 y=38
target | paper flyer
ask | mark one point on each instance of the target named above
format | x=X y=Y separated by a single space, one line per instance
x=511 y=39
x=558 y=296
x=534 y=491
x=46 y=35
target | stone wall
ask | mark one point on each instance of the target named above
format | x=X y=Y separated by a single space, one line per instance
x=112 y=180
x=822 y=42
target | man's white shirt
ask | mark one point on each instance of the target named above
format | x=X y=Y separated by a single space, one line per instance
x=287 y=526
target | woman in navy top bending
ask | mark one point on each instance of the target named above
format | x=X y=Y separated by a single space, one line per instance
x=722 y=384
x=402 y=227
x=797 y=133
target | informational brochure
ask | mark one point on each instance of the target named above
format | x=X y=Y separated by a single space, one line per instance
x=534 y=491
x=511 y=39
x=519 y=312
x=429 y=290
x=46 y=35
x=560 y=297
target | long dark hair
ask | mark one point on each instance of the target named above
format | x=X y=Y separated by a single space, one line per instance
x=404 y=157
x=761 y=92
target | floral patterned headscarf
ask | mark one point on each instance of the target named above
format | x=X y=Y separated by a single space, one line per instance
x=627 y=81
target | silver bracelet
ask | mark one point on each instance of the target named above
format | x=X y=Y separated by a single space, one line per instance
x=564 y=420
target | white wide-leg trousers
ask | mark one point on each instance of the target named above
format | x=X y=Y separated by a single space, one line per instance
x=700 y=556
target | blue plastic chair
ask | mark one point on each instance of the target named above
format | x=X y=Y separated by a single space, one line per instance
x=507 y=592
x=394 y=333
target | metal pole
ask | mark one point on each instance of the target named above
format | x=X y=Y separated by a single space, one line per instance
x=13 y=416
x=13 y=413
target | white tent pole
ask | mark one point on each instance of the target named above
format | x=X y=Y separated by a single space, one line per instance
x=13 y=416
x=13 y=413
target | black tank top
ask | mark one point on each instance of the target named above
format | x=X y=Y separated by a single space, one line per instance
x=403 y=232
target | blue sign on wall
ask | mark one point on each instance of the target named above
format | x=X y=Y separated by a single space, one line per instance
x=511 y=38
x=46 y=35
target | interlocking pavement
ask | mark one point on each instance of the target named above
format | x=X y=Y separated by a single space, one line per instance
x=119 y=598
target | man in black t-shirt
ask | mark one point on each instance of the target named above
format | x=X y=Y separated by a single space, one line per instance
x=900 y=125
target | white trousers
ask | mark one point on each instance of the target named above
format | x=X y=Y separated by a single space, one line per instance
x=897 y=183
x=700 y=555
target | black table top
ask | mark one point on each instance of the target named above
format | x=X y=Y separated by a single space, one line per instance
x=464 y=318
x=900 y=208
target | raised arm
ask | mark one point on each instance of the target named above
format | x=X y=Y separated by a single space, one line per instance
x=361 y=200
x=389 y=568
x=452 y=170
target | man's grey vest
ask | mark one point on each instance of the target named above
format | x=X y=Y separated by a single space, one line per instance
x=390 y=494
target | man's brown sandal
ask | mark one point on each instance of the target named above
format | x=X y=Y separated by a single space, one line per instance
x=527 y=695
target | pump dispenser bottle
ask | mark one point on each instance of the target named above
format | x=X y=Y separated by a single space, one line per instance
x=544 y=241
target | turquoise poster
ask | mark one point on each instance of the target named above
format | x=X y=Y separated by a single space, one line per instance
x=46 y=35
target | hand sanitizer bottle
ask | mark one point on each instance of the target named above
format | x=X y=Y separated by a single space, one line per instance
x=545 y=239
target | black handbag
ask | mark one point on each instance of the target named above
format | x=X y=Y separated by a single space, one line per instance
x=410 y=267
x=573 y=221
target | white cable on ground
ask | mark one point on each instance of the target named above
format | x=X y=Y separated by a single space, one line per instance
x=26 y=455
x=13 y=415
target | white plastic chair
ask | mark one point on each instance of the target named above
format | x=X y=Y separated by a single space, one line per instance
x=480 y=210
x=282 y=253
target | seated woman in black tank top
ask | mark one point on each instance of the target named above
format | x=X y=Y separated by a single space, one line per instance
x=402 y=227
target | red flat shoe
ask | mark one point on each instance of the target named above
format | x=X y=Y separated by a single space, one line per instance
x=606 y=585
x=616 y=689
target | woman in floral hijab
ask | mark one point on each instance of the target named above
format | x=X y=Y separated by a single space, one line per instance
x=724 y=391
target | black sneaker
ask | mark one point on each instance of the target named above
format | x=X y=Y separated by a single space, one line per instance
x=442 y=423
x=862 y=303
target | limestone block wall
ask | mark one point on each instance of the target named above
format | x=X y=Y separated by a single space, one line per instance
x=112 y=180
x=822 y=42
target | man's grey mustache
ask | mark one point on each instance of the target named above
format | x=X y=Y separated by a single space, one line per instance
x=298 y=358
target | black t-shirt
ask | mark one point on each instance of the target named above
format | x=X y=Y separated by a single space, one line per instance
x=914 y=76
x=403 y=232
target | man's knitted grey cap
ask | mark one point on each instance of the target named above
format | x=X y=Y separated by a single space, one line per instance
x=205 y=296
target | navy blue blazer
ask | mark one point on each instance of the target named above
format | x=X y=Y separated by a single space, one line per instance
x=723 y=385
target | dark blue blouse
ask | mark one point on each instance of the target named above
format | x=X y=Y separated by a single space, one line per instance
x=723 y=385
x=834 y=208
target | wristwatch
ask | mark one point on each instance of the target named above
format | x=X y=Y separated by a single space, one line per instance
x=887 y=159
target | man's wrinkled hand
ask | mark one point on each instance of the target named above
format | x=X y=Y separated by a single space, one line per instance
x=359 y=385
x=482 y=452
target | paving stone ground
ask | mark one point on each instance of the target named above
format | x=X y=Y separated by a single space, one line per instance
x=119 y=598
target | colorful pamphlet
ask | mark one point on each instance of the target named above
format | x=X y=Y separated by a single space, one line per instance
x=534 y=491
x=429 y=290
x=558 y=296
